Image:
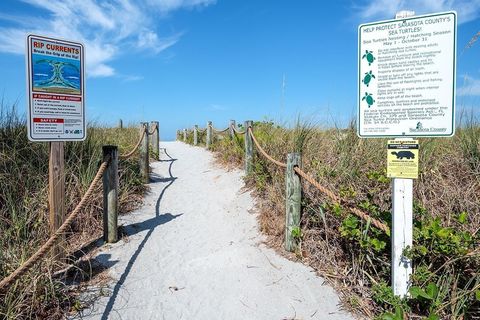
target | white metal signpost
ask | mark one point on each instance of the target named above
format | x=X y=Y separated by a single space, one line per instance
x=406 y=88
x=55 y=89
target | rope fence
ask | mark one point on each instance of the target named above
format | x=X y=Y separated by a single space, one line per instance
x=238 y=131
x=110 y=162
x=37 y=256
x=219 y=131
x=359 y=213
x=154 y=129
x=108 y=170
x=128 y=155
x=266 y=155
x=251 y=140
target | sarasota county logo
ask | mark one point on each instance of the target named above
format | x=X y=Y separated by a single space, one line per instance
x=420 y=128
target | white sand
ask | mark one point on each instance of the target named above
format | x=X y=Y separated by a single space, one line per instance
x=194 y=252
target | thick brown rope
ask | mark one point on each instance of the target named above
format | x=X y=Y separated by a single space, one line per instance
x=237 y=131
x=359 y=213
x=153 y=130
x=377 y=223
x=128 y=155
x=278 y=163
x=44 y=249
x=219 y=131
x=317 y=185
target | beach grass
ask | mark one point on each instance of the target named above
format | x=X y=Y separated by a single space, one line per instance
x=349 y=252
x=24 y=226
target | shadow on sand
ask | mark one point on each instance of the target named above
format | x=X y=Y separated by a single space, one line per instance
x=149 y=225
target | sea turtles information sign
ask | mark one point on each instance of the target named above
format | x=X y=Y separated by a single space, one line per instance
x=55 y=85
x=406 y=76
x=402 y=159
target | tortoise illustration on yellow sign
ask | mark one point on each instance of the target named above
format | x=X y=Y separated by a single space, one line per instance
x=402 y=159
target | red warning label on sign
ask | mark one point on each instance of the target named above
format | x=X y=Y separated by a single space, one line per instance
x=47 y=120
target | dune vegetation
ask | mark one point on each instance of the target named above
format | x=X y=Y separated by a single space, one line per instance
x=351 y=253
x=46 y=291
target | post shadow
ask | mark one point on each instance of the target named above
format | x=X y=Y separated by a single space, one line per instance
x=149 y=225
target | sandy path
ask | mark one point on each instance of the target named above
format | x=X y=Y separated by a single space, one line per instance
x=193 y=252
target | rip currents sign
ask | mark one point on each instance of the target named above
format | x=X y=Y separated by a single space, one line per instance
x=55 y=89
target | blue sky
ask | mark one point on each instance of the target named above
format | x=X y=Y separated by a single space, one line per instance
x=183 y=62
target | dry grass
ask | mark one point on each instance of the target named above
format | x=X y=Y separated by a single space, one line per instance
x=354 y=168
x=24 y=211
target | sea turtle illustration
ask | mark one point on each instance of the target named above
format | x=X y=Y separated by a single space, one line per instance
x=404 y=154
x=369 y=99
x=369 y=56
x=368 y=77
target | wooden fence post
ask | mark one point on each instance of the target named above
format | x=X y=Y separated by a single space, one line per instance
x=209 y=134
x=120 y=124
x=293 y=202
x=248 y=148
x=195 y=135
x=232 y=132
x=110 y=195
x=56 y=200
x=156 y=139
x=144 y=165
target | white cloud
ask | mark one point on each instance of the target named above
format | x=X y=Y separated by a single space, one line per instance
x=12 y=40
x=470 y=87
x=102 y=70
x=150 y=40
x=106 y=28
x=467 y=10
x=131 y=78
x=170 y=5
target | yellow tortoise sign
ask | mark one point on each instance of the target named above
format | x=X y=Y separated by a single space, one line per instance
x=402 y=159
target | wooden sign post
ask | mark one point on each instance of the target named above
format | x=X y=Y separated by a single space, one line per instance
x=56 y=112
x=56 y=197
